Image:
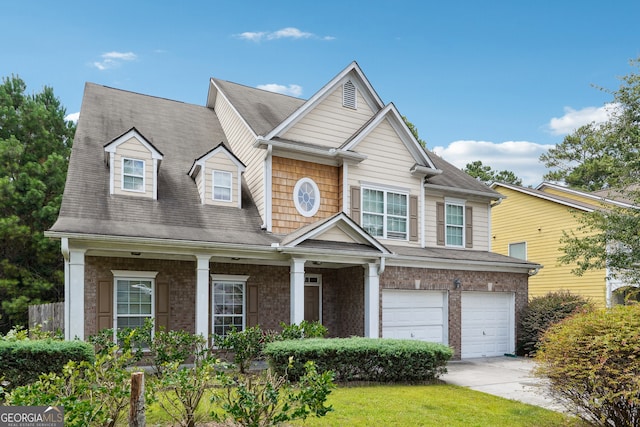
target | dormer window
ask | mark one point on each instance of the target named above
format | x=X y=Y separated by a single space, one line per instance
x=349 y=93
x=132 y=174
x=218 y=177
x=221 y=186
x=133 y=164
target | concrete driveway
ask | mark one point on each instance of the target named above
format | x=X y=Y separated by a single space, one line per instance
x=508 y=377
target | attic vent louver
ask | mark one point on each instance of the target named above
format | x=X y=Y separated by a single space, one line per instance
x=349 y=95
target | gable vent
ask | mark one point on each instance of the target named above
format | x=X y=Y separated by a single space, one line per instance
x=349 y=95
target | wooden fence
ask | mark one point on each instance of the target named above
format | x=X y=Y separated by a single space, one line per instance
x=50 y=316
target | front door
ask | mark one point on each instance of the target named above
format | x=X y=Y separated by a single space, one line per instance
x=313 y=298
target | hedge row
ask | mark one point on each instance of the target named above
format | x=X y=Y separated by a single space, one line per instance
x=361 y=359
x=22 y=362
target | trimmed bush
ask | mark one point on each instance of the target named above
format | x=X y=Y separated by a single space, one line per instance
x=22 y=362
x=592 y=362
x=542 y=312
x=361 y=359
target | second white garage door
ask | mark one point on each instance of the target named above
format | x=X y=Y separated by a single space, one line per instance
x=414 y=314
x=487 y=324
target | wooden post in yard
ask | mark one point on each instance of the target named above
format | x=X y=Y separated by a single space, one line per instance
x=136 y=408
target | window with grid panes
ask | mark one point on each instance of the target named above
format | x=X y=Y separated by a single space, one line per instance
x=228 y=307
x=132 y=174
x=134 y=302
x=454 y=224
x=384 y=213
x=222 y=186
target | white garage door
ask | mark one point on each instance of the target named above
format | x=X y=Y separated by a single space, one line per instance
x=418 y=315
x=487 y=324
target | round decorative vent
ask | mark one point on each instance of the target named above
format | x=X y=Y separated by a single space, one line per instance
x=306 y=197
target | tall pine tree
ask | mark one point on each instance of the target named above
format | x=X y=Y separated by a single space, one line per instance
x=35 y=144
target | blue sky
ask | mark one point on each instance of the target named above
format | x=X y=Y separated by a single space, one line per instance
x=497 y=81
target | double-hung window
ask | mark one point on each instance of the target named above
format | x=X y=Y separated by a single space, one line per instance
x=221 y=186
x=454 y=224
x=228 y=305
x=134 y=298
x=132 y=174
x=384 y=213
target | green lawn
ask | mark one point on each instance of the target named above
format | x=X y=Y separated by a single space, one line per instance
x=432 y=405
x=422 y=405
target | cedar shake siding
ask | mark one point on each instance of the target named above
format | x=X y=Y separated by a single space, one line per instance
x=286 y=173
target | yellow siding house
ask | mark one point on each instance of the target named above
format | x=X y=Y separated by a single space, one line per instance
x=529 y=223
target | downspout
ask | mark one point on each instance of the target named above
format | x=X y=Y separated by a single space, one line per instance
x=267 y=188
x=422 y=214
x=382 y=265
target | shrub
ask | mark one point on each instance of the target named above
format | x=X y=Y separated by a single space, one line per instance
x=270 y=399
x=92 y=393
x=246 y=345
x=362 y=359
x=304 y=330
x=174 y=346
x=542 y=312
x=22 y=361
x=592 y=362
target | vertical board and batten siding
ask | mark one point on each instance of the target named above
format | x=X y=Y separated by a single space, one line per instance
x=241 y=141
x=480 y=222
x=329 y=123
x=133 y=149
x=388 y=163
x=221 y=162
x=541 y=223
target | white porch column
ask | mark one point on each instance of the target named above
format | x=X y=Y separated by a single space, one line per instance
x=74 y=295
x=202 y=295
x=371 y=301
x=297 y=290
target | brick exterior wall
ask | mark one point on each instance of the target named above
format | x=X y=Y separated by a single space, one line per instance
x=342 y=291
x=286 y=173
x=437 y=279
x=180 y=275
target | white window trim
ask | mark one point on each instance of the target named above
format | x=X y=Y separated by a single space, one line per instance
x=229 y=278
x=316 y=190
x=455 y=202
x=526 y=248
x=132 y=275
x=144 y=174
x=213 y=186
x=385 y=189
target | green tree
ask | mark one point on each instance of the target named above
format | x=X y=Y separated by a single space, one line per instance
x=608 y=237
x=35 y=143
x=584 y=160
x=487 y=175
x=414 y=131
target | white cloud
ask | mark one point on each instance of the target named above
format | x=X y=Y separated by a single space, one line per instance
x=73 y=117
x=293 y=90
x=114 y=59
x=284 y=33
x=520 y=157
x=573 y=119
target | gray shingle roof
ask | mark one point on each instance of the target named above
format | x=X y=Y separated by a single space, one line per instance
x=182 y=132
x=453 y=177
x=263 y=110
